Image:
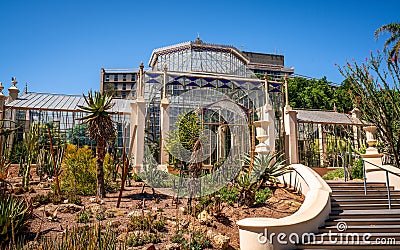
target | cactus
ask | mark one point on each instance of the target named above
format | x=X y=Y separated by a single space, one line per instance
x=31 y=146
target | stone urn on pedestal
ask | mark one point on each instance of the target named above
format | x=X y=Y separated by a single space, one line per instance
x=371 y=155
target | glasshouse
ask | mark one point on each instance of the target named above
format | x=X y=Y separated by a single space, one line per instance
x=239 y=111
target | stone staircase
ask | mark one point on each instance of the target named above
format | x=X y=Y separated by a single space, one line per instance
x=359 y=221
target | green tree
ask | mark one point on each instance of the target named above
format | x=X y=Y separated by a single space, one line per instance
x=375 y=91
x=101 y=129
x=310 y=93
x=185 y=136
x=341 y=97
x=319 y=94
x=393 y=40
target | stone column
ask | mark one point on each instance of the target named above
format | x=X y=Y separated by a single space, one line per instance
x=164 y=122
x=356 y=114
x=2 y=101
x=221 y=142
x=290 y=119
x=322 y=144
x=138 y=118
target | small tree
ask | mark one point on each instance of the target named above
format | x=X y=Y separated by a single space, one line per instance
x=183 y=139
x=374 y=89
x=101 y=129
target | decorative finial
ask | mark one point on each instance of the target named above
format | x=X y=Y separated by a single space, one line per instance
x=141 y=65
x=14 y=81
x=334 y=107
x=198 y=40
x=26 y=88
x=1 y=88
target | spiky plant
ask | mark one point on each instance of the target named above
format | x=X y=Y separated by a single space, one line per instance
x=265 y=170
x=266 y=167
x=31 y=146
x=101 y=129
x=14 y=214
x=394 y=39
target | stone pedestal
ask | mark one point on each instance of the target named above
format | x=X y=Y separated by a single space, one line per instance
x=372 y=156
x=265 y=130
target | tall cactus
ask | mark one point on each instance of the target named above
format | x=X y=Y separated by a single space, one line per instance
x=31 y=146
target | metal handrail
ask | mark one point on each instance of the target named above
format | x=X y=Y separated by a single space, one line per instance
x=387 y=179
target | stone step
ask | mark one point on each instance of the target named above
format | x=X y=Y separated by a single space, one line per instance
x=362 y=196
x=371 y=237
x=364 y=221
x=362 y=229
x=364 y=216
x=362 y=202
x=354 y=183
x=379 y=213
x=361 y=192
x=360 y=188
x=363 y=206
x=347 y=245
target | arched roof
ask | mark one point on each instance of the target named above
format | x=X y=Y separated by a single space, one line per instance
x=197 y=45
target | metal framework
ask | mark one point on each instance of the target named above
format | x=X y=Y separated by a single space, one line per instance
x=247 y=93
x=324 y=138
x=200 y=57
x=60 y=111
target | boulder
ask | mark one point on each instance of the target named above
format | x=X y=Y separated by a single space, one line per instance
x=95 y=208
x=221 y=241
x=205 y=218
x=69 y=208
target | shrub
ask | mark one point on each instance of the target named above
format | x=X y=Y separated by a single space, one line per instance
x=262 y=195
x=110 y=171
x=178 y=237
x=75 y=200
x=79 y=171
x=141 y=239
x=199 y=241
x=334 y=174
x=90 y=238
x=14 y=214
x=357 y=170
x=100 y=216
x=136 y=177
x=82 y=217
x=42 y=199
x=230 y=195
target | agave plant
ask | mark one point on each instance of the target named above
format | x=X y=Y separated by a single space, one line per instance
x=101 y=129
x=264 y=169
x=14 y=214
x=267 y=167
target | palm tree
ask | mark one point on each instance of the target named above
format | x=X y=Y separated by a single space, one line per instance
x=101 y=129
x=394 y=39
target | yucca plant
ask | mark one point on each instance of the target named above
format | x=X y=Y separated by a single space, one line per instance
x=14 y=214
x=101 y=129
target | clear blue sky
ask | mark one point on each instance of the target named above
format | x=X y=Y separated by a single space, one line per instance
x=59 y=46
